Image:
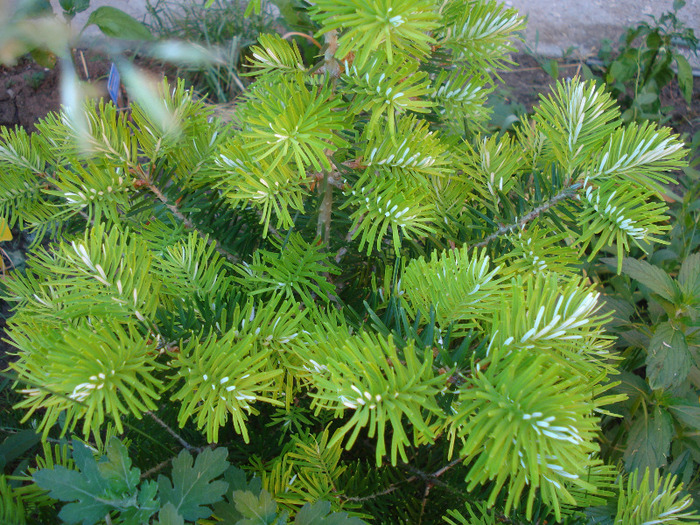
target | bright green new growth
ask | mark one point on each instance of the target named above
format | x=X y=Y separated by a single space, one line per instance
x=231 y=272
x=653 y=499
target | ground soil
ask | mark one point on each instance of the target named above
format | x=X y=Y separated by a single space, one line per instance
x=523 y=85
x=28 y=91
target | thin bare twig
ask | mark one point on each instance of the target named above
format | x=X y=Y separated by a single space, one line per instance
x=170 y=431
x=424 y=503
x=188 y=223
x=447 y=467
x=564 y=194
x=431 y=479
x=160 y=466
x=348 y=238
x=308 y=37
x=391 y=488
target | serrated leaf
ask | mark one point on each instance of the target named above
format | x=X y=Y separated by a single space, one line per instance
x=668 y=359
x=256 y=510
x=147 y=504
x=191 y=487
x=168 y=515
x=320 y=514
x=70 y=485
x=632 y=386
x=649 y=441
x=237 y=482
x=685 y=77
x=689 y=276
x=85 y=512
x=652 y=277
x=92 y=495
x=85 y=462
x=686 y=413
x=116 y=23
x=118 y=469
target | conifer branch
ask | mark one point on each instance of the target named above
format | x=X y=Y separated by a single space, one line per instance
x=332 y=68
x=170 y=431
x=431 y=479
x=323 y=229
x=566 y=193
x=374 y=129
x=187 y=222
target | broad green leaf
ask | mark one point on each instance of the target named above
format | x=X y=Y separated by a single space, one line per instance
x=551 y=67
x=92 y=495
x=685 y=76
x=649 y=440
x=689 y=276
x=646 y=98
x=320 y=514
x=118 y=467
x=237 y=482
x=168 y=515
x=72 y=7
x=15 y=445
x=116 y=23
x=652 y=277
x=256 y=510
x=5 y=233
x=600 y=516
x=85 y=512
x=668 y=360
x=289 y=12
x=147 y=504
x=85 y=462
x=688 y=414
x=191 y=487
x=632 y=386
x=71 y=485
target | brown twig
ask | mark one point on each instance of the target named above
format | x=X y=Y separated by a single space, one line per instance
x=447 y=467
x=3 y=268
x=304 y=35
x=391 y=488
x=187 y=222
x=431 y=480
x=170 y=431
x=160 y=466
x=85 y=68
x=535 y=68
x=566 y=193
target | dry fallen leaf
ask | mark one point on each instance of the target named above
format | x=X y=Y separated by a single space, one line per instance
x=5 y=233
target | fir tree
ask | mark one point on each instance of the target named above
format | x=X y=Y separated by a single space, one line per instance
x=353 y=262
